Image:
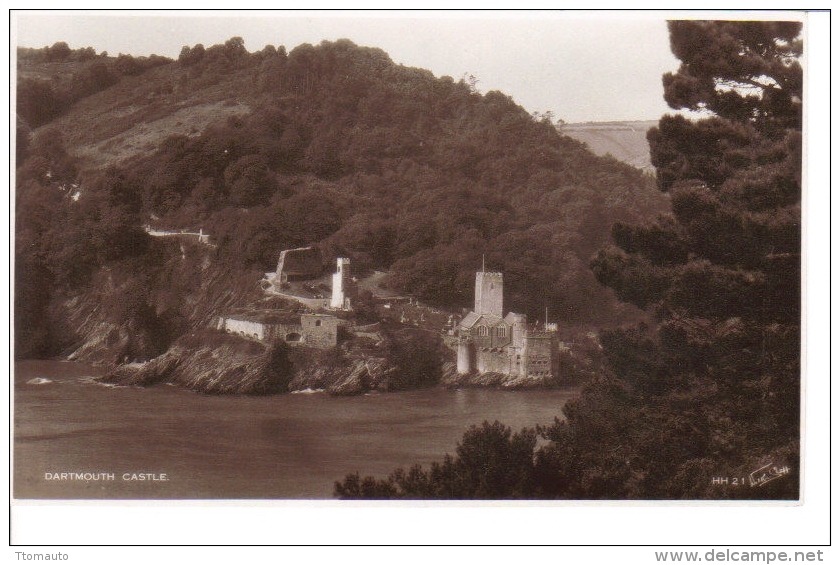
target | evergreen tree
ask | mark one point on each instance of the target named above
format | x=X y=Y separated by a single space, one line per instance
x=490 y=462
x=715 y=385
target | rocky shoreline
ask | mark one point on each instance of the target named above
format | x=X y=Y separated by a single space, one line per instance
x=210 y=370
x=216 y=363
x=231 y=365
x=451 y=379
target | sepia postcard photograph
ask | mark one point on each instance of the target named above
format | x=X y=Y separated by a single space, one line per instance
x=407 y=257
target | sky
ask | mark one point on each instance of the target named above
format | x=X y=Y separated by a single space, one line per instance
x=583 y=66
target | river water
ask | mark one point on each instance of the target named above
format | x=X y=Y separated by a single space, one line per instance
x=185 y=445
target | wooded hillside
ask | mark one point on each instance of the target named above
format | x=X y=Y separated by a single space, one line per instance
x=332 y=145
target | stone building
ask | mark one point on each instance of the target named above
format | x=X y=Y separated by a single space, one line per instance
x=491 y=343
x=312 y=330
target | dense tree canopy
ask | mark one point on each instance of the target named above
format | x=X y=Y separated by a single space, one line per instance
x=58 y=76
x=740 y=71
x=491 y=462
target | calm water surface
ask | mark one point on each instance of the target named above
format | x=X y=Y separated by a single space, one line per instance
x=284 y=446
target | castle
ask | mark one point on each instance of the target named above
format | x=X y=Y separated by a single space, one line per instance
x=490 y=342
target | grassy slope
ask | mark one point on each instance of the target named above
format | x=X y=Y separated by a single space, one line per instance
x=134 y=116
x=626 y=141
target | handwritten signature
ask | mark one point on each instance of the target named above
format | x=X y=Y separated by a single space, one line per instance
x=767 y=473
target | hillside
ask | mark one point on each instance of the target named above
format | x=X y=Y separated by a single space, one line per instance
x=626 y=141
x=331 y=145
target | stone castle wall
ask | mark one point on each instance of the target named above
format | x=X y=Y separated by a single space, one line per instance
x=319 y=331
x=245 y=328
x=541 y=352
x=493 y=361
x=466 y=357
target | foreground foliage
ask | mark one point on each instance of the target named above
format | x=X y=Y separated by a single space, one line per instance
x=490 y=463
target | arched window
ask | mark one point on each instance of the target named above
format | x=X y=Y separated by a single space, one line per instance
x=501 y=331
x=482 y=331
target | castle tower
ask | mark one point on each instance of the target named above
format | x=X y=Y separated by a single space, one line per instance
x=518 y=343
x=489 y=294
x=518 y=330
x=466 y=357
x=340 y=285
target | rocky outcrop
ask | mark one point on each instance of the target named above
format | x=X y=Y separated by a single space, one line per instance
x=135 y=312
x=228 y=368
x=346 y=377
x=107 y=342
x=451 y=379
x=215 y=363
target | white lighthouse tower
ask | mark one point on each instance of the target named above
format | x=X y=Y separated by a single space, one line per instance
x=340 y=285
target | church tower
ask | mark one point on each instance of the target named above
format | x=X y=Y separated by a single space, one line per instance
x=489 y=294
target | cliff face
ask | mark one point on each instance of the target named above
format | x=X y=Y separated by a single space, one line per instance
x=626 y=141
x=134 y=310
x=233 y=366
x=355 y=376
